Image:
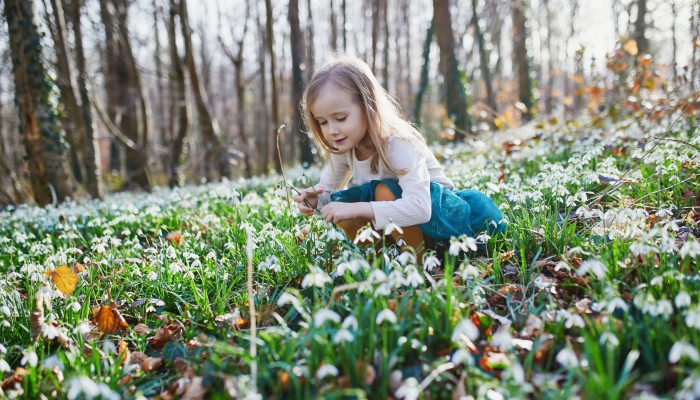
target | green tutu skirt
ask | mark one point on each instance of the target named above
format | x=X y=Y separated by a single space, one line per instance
x=454 y=212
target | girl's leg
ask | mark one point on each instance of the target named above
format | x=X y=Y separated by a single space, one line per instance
x=412 y=235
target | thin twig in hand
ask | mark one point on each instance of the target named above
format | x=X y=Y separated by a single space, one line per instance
x=279 y=155
x=251 y=310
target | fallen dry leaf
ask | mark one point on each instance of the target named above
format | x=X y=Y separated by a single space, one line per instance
x=136 y=357
x=37 y=321
x=164 y=335
x=65 y=279
x=151 y=364
x=174 y=237
x=142 y=329
x=109 y=320
x=195 y=390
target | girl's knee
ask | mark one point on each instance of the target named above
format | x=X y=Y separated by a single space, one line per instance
x=383 y=193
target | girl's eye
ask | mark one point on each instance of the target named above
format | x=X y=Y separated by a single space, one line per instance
x=340 y=119
x=322 y=122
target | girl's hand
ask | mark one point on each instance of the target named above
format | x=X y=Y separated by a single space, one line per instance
x=307 y=200
x=337 y=211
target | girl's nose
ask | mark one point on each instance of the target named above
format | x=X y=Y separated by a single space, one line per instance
x=332 y=128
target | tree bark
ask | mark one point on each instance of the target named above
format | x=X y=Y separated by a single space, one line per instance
x=385 y=58
x=345 y=21
x=311 y=49
x=177 y=84
x=273 y=76
x=521 y=58
x=640 y=27
x=112 y=79
x=91 y=150
x=375 y=32
x=159 y=118
x=334 y=26
x=70 y=118
x=207 y=121
x=456 y=97
x=548 y=99
x=485 y=69
x=297 y=43
x=42 y=139
x=424 y=73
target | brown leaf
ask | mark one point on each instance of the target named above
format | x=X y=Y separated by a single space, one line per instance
x=64 y=278
x=123 y=350
x=195 y=391
x=136 y=357
x=183 y=367
x=533 y=325
x=174 y=237
x=164 y=335
x=151 y=364
x=37 y=321
x=141 y=329
x=14 y=380
x=109 y=320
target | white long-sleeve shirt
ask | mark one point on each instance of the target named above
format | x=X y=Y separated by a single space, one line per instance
x=414 y=206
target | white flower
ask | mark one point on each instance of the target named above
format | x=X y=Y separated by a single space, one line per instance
x=383 y=289
x=690 y=248
x=467 y=328
x=430 y=262
x=391 y=227
x=4 y=366
x=271 y=263
x=692 y=318
x=366 y=235
x=616 y=303
x=29 y=356
x=596 y=267
x=353 y=266
x=683 y=349
x=83 y=385
x=567 y=358
x=682 y=299
x=332 y=234
x=75 y=306
x=462 y=356
x=281 y=192
x=664 y=308
x=321 y=316
x=413 y=277
x=350 y=322
x=468 y=271
x=410 y=390
x=609 y=339
x=405 y=257
x=211 y=255
x=3 y=350
x=465 y=244
x=326 y=370
x=572 y=319
x=6 y=310
x=386 y=315
x=316 y=277
x=502 y=339
x=288 y=298
x=343 y=335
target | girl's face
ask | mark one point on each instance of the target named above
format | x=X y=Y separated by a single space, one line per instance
x=342 y=121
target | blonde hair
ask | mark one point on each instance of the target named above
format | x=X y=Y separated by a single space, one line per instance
x=383 y=113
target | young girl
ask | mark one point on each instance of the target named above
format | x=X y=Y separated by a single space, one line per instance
x=362 y=133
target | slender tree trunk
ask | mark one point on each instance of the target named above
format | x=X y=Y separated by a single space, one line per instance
x=456 y=98
x=334 y=26
x=548 y=100
x=640 y=27
x=375 y=32
x=42 y=139
x=297 y=42
x=424 y=73
x=311 y=49
x=160 y=118
x=93 y=163
x=132 y=96
x=345 y=21
x=408 y=91
x=112 y=80
x=207 y=121
x=273 y=75
x=521 y=57
x=674 y=15
x=179 y=99
x=70 y=118
x=263 y=109
x=484 y=64
x=385 y=58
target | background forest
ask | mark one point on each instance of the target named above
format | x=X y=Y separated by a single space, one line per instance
x=158 y=92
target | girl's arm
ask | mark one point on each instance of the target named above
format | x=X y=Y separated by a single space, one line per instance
x=333 y=178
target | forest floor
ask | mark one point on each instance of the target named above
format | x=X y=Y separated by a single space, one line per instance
x=592 y=292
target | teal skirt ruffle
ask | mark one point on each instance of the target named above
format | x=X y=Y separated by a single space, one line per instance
x=454 y=212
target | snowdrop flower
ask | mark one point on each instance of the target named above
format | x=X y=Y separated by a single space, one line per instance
x=467 y=328
x=366 y=235
x=30 y=357
x=430 y=262
x=690 y=249
x=4 y=366
x=271 y=263
x=664 y=308
x=332 y=234
x=383 y=290
x=502 y=339
x=3 y=350
x=82 y=329
x=6 y=310
x=609 y=339
x=571 y=319
x=343 y=335
x=353 y=266
x=465 y=244
x=657 y=280
x=682 y=299
x=462 y=356
x=316 y=277
x=692 y=318
x=386 y=315
x=683 y=349
x=350 y=322
x=468 y=271
x=288 y=298
x=321 y=316
x=405 y=257
x=596 y=267
x=413 y=277
x=83 y=385
x=326 y=370
x=616 y=303
x=211 y=255
x=567 y=358
x=391 y=227
x=376 y=275
x=281 y=192
x=410 y=390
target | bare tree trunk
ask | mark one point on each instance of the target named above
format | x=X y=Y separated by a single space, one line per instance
x=674 y=15
x=385 y=58
x=485 y=69
x=207 y=121
x=375 y=32
x=164 y=138
x=42 y=139
x=334 y=26
x=112 y=79
x=70 y=118
x=311 y=49
x=9 y=184
x=456 y=98
x=345 y=21
x=521 y=57
x=263 y=110
x=548 y=100
x=237 y=60
x=408 y=90
x=640 y=27
x=424 y=73
x=177 y=84
x=273 y=75
x=91 y=150
x=297 y=42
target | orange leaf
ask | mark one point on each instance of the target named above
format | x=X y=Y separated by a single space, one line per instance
x=631 y=47
x=174 y=237
x=64 y=278
x=109 y=319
